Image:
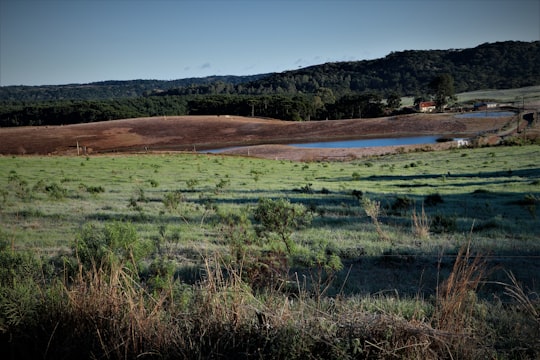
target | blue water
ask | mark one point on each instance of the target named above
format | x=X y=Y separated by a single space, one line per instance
x=486 y=114
x=371 y=142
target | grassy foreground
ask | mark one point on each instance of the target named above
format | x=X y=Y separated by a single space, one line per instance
x=413 y=255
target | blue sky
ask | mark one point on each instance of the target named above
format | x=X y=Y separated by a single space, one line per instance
x=80 y=41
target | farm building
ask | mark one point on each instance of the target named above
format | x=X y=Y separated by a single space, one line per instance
x=485 y=105
x=427 y=106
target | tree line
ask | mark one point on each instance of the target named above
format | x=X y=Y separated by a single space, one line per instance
x=296 y=107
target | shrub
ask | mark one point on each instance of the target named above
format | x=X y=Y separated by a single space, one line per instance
x=55 y=191
x=441 y=223
x=280 y=218
x=421 y=224
x=358 y=194
x=373 y=210
x=172 y=200
x=93 y=189
x=115 y=243
x=433 y=199
x=19 y=187
x=402 y=203
x=21 y=275
x=306 y=189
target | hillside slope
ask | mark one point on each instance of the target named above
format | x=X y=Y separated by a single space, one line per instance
x=188 y=133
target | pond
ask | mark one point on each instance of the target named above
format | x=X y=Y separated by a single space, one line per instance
x=399 y=141
x=485 y=114
x=396 y=141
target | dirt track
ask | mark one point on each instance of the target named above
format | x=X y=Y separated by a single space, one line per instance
x=188 y=133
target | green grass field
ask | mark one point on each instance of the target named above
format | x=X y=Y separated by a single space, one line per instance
x=490 y=194
x=425 y=206
x=530 y=94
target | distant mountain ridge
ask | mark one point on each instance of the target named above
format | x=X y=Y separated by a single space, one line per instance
x=112 y=89
x=508 y=64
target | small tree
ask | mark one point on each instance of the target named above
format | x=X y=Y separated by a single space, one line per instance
x=279 y=218
x=442 y=87
x=393 y=101
x=117 y=242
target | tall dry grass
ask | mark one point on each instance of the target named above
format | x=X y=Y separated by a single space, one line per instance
x=421 y=224
x=457 y=305
x=109 y=313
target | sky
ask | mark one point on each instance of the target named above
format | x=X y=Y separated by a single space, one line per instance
x=51 y=42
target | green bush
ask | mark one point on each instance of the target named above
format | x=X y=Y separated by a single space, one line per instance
x=402 y=203
x=172 y=200
x=117 y=242
x=55 y=191
x=21 y=275
x=441 y=223
x=279 y=218
x=433 y=199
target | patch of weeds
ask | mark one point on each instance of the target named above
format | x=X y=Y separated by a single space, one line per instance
x=94 y=190
x=19 y=186
x=133 y=204
x=357 y=194
x=421 y=224
x=356 y=176
x=39 y=186
x=55 y=191
x=256 y=175
x=192 y=183
x=30 y=213
x=433 y=199
x=529 y=202
x=306 y=189
x=402 y=203
x=442 y=223
x=4 y=195
x=373 y=210
x=221 y=185
x=529 y=199
x=140 y=195
x=171 y=200
x=496 y=222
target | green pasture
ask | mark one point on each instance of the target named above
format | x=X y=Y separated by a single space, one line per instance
x=489 y=196
x=527 y=95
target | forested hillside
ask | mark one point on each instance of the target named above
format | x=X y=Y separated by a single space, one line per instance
x=488 y=66
x=112 y=89
x=328 y=91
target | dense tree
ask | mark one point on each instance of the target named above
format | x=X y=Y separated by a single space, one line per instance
x=393 y=101
x=442 y=88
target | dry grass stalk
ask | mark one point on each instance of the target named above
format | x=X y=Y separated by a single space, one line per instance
x=515 y=291
x=457 y=299
x=113 y=303
x=373 y=210
x=421 y=224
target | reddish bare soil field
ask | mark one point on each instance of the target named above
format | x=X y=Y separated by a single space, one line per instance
x=189 y=133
